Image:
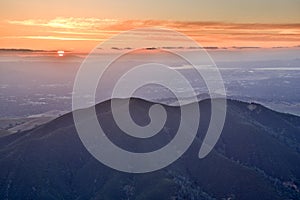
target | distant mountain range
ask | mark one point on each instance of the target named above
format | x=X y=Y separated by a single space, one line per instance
x=257 y=157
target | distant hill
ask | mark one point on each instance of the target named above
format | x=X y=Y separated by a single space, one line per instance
x=257 y=157
x=12 y=125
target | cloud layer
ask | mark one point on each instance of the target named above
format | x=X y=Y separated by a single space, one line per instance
x=85 y=33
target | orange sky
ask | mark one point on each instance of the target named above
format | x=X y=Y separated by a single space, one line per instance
x=80 y=25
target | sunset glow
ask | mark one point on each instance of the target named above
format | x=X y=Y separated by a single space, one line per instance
x=81 y=33
x=60 y=53
x=150 y=99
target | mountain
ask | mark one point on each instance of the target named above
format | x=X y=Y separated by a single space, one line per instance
x=256 y=157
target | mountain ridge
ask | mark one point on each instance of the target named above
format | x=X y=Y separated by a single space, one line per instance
x=256 y=157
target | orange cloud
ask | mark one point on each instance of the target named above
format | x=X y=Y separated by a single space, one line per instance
x=65 y=23
x=82 y=34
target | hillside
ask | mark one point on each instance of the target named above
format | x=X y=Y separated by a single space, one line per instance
x=257 y=157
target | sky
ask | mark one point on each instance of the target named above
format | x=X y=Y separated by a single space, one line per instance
x=78 y=25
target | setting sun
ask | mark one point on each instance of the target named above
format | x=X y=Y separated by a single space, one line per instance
x=60 y=53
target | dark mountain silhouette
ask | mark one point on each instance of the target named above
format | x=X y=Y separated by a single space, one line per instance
x=257 y=157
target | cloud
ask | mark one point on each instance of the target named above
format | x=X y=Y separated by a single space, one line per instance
x=62 y=38
x=65 y=23
x=212 y=35
x=234 y=47
x=21 y=50
x=118 y=48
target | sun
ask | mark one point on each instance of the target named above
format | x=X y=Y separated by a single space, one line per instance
x=60 y=53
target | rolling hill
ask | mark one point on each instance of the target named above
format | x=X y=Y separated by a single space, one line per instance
x=256 y=157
